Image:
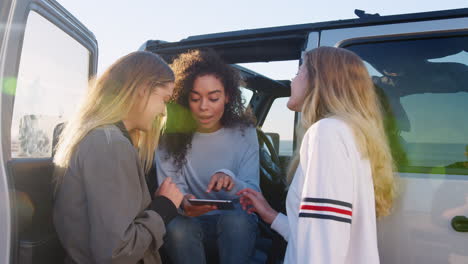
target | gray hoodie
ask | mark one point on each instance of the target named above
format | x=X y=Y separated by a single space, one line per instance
x=101 y=209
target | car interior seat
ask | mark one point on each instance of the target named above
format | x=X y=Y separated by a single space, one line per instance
x=37 y=240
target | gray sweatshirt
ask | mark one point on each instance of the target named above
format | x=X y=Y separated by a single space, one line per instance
x=101 y=209
x=230 y=150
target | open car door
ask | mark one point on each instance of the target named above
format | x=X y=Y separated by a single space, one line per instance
x=46 y=60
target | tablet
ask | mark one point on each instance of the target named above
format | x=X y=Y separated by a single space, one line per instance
x=221 y=204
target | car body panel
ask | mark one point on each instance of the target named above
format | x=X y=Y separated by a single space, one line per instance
x=335 y=37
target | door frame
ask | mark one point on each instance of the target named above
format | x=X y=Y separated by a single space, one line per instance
x=14 y=16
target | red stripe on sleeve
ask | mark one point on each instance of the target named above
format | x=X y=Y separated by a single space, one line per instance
x=326 y=208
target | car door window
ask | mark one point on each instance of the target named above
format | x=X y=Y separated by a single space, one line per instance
x=423 y=84
x=280 y=120
x=53 y=76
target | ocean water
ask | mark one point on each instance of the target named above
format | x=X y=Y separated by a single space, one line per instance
x=286 y=148
x=418 y=154
x=434 y=155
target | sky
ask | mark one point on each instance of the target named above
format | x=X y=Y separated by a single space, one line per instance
x=122 y=26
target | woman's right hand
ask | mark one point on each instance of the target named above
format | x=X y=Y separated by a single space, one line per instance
x=170 y=190
x=195 y=210
x=253 y=201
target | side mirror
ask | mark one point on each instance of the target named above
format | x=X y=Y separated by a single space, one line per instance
x=275 y=139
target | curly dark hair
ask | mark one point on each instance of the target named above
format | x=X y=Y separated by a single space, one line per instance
x=180 y=125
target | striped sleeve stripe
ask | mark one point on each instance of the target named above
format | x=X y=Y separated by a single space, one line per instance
x=326 y=209
x=330 y=201
x=328 y=217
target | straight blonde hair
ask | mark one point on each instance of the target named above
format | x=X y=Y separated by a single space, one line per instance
x=109 y=100
x=339 y=85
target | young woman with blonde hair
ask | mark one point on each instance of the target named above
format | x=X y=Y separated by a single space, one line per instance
x=343 y=172
x=103 y=212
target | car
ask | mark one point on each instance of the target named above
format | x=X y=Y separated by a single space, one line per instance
x=418 y=62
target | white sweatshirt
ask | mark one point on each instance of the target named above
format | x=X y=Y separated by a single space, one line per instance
x=330 y=204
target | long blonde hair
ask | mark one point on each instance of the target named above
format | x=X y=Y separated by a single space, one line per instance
x=339 y=85
x=110 y=99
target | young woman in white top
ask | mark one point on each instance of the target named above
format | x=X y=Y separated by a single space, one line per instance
x=342 y=173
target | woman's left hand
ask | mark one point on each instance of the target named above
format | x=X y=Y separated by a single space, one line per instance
x=220 y=181
x=253 y=201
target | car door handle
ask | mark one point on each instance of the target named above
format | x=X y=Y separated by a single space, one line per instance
x=460 y=223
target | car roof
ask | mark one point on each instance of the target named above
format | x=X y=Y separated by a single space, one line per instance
x=280 y=43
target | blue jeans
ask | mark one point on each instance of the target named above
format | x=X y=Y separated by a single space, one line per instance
x=228 y=237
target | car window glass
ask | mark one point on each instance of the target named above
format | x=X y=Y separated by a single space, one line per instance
x=53 y=76
x=424 y=90
x=246 y=96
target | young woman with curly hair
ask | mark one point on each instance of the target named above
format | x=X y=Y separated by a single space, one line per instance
x=213 y=158
x=343 y=171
